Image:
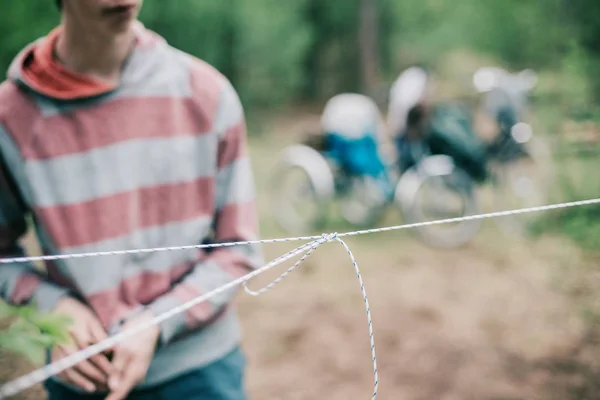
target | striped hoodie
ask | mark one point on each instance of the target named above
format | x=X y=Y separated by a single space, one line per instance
x=160 y=160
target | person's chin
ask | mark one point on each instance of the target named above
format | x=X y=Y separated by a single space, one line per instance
x=122 y=26
x=122 y=22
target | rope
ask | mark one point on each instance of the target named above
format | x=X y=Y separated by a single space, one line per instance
x=333 y=236
x=302 y=238
x=40 y=375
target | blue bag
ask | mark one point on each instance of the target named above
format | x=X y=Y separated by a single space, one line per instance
x=355 y=156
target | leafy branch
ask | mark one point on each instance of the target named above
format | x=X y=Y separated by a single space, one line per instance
x=31 y=333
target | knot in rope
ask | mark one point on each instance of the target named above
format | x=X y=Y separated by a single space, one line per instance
x=329 y=237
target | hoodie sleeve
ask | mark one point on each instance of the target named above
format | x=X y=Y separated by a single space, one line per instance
x=235 y=219
x=20 y=283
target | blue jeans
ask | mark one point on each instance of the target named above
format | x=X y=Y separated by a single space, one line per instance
x=221 y=380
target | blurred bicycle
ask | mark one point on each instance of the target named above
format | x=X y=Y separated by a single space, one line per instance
x=521 y=162
x=342 y=163
x=439 y=160
x=443 y=161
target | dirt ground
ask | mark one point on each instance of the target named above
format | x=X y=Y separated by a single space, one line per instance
x=495 y=320
x=478 y=323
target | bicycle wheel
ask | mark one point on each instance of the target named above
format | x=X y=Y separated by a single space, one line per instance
x=435 y=190
x=362 y=202
x=522 y=183
x=301 y=190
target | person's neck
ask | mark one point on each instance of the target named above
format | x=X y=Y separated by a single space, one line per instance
x=101 y=57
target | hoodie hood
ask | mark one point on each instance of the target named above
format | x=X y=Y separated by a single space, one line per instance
x=36 y=68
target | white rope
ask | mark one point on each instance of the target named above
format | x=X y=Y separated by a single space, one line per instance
x=302 y=238
x=330 y=237
x=370 y=321
x=40 y=375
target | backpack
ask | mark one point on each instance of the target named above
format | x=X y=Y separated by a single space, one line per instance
x=451 y=133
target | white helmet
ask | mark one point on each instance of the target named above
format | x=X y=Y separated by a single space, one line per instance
x=352 y=115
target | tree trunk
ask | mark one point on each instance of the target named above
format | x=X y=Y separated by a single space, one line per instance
x=369 y=45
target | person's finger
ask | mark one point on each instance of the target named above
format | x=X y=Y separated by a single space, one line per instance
x=121 y=391
x=120 y=365
x=75 y=378
x=98 y=362
x=119 y=394
x=96 y=330
x=81 y=337
x=128 y=380
x=98 y=334
x=102 y=362
x=71 y=375
x=94 y=374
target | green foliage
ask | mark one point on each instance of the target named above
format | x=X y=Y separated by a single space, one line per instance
x=426 y=29
x=587 y=13
x=580 y=224
x=332 y=62
x=21 y=22
x=576 y=180
x=30 y=333
x=276 y=52
x=271 y=40
x=201 y=28
x=257 y=44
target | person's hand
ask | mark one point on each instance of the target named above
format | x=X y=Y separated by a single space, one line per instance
x=132 y=357
x=92 y=374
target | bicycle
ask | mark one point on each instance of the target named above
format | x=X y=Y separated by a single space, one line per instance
x=343 y=163
x=464 y=167
x=364 y=197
